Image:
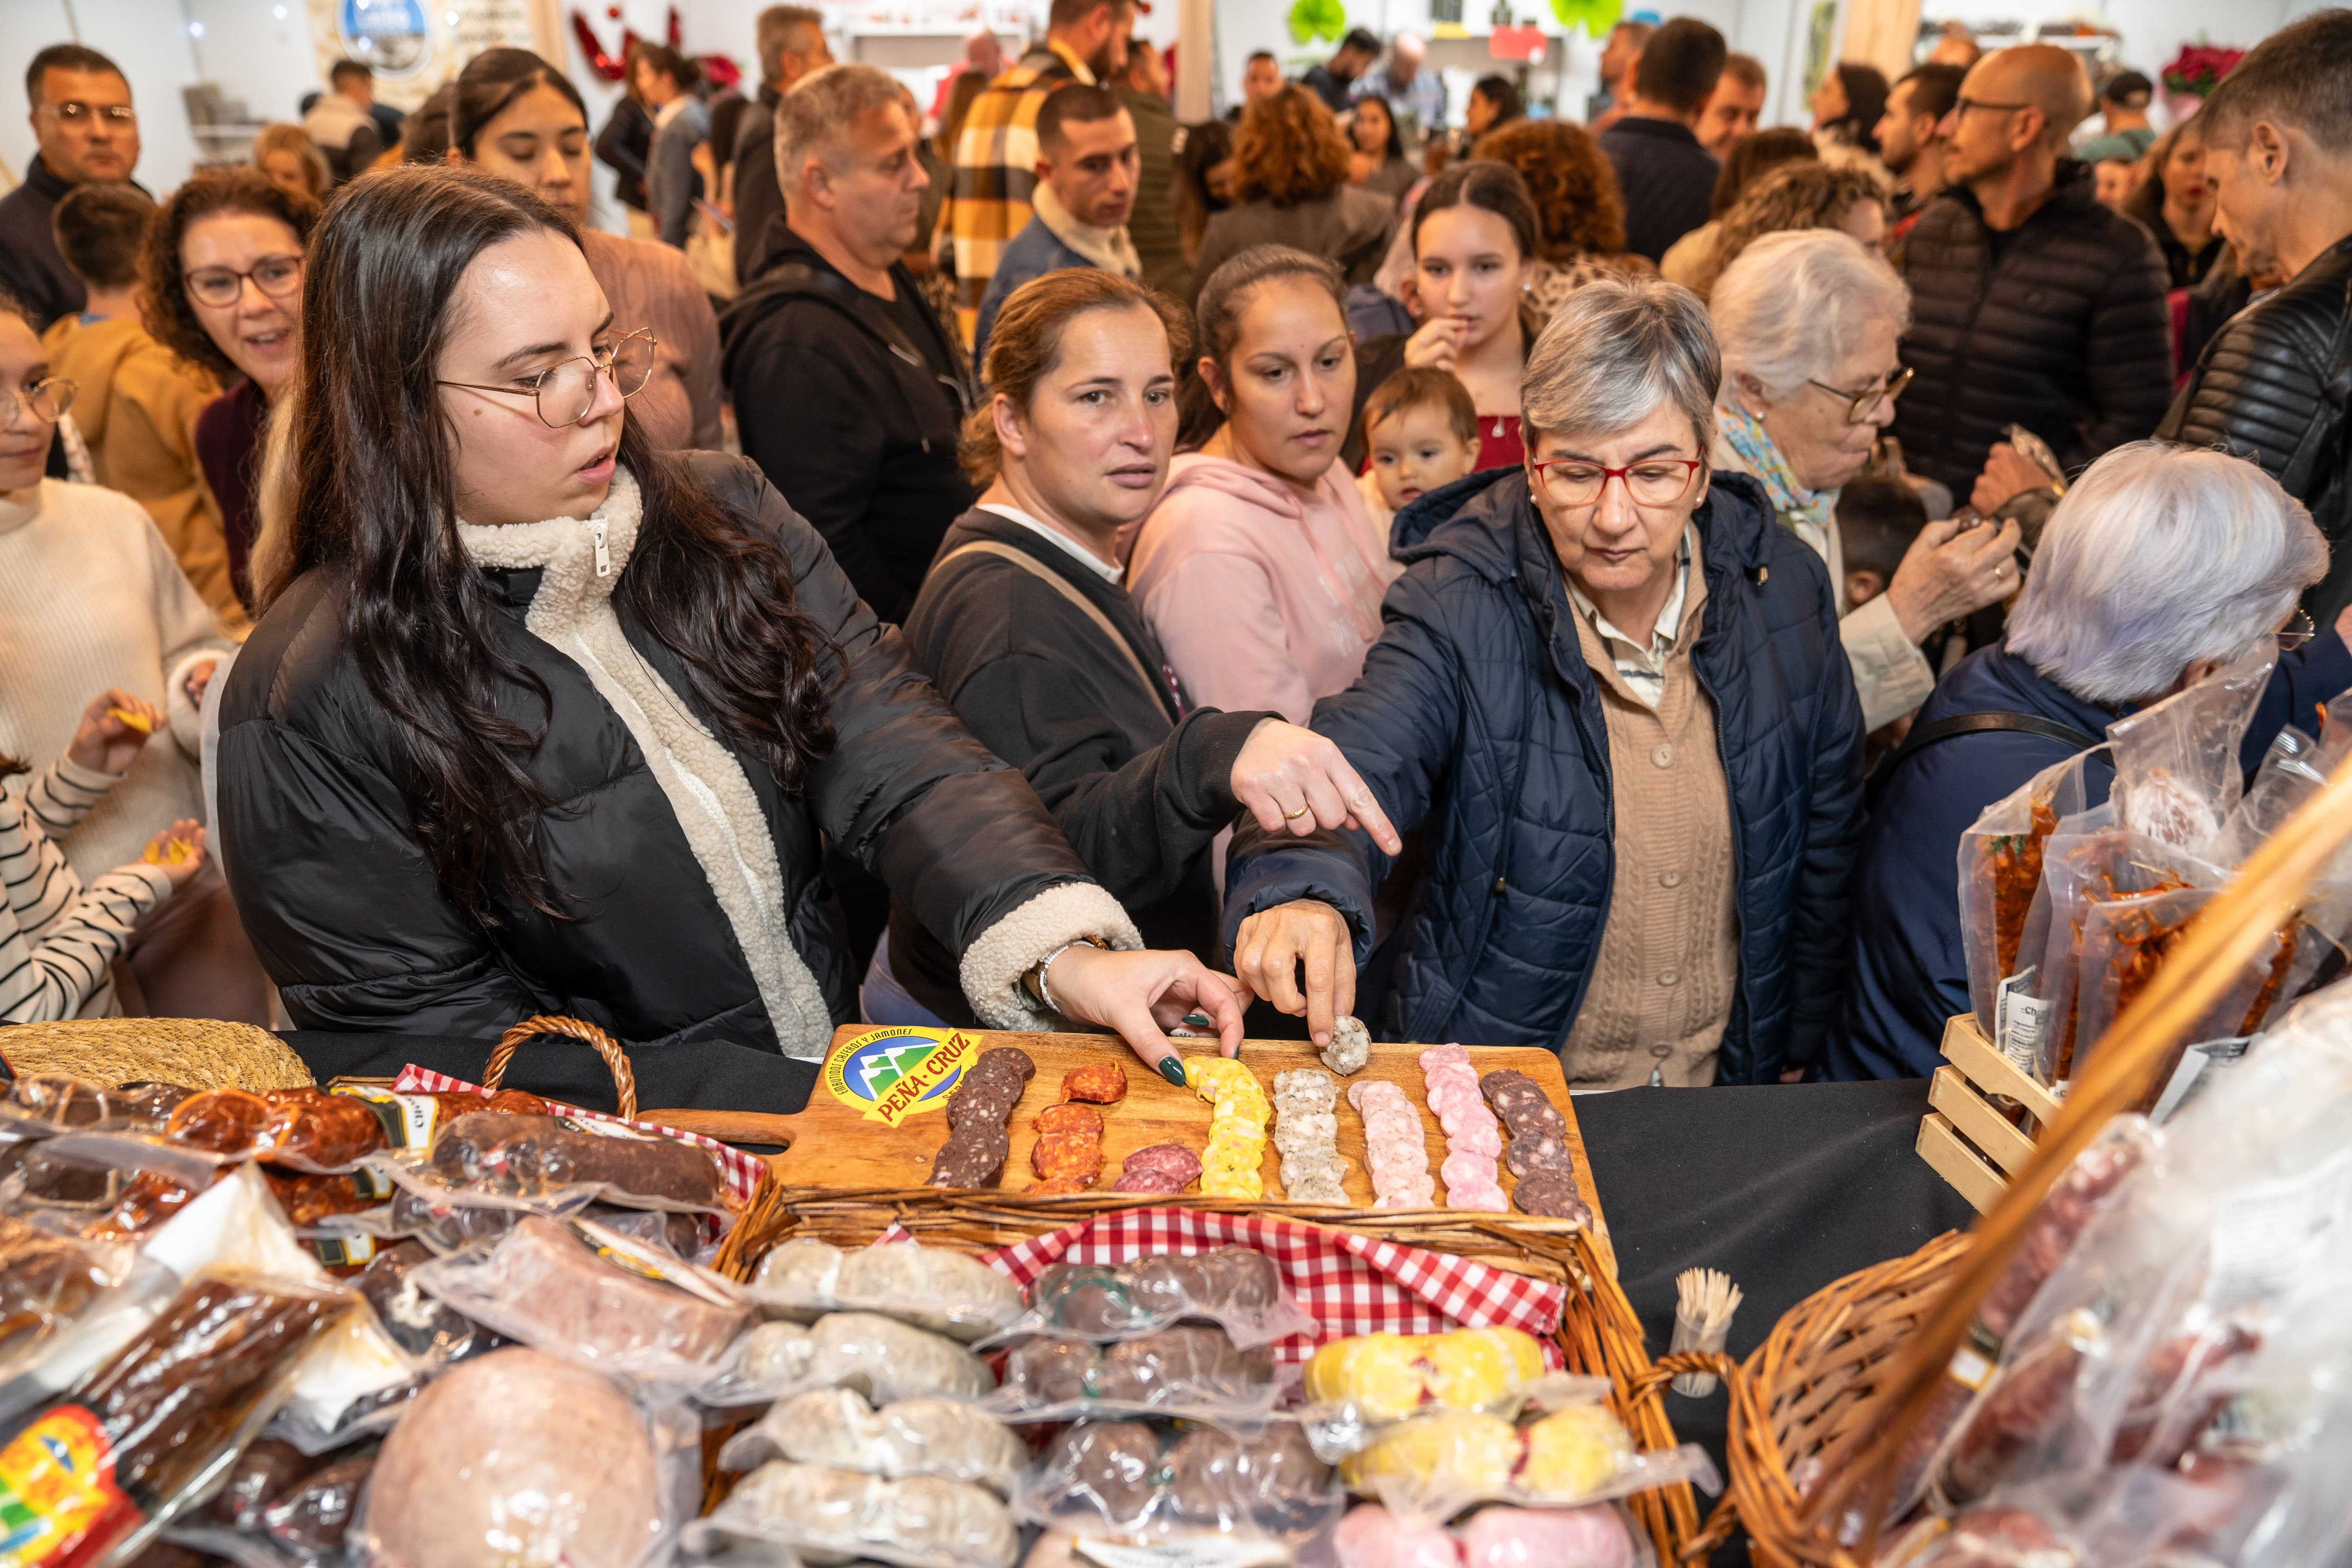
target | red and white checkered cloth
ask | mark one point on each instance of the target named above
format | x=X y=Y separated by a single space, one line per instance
x=742 y=1171
x=1349 y=1284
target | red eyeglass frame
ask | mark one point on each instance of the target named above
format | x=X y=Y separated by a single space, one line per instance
x=1691 y=467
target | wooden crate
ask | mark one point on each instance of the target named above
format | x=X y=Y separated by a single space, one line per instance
x=1965 y=1137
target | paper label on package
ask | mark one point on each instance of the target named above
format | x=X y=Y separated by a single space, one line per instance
x=2021 y=1022
x=2199 y=1068
x=1207 y=1552
x=2267 y=1233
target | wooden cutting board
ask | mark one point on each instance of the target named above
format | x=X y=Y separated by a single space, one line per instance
x=876 y=1114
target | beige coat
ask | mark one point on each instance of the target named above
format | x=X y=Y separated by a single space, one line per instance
x=136 y=404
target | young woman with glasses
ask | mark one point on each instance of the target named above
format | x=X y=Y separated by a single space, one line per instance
x=539 y=719
x=223 y=275
x=516 y=115
x=1609 y=689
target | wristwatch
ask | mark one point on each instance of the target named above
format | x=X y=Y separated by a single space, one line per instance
x=1032 y=984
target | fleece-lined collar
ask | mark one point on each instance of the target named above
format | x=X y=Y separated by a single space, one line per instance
x=1108 y=249
x=580 y=562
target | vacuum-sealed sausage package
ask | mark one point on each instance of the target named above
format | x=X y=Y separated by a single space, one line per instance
x=1139 y=1480
x=281 y=1507
x=576 y=1289
x=529 y=1460
x=883 y=1359
x=2180 y=1387
x=132 y=1447
x=837 y=1516
x=65 y=1304
x=2000 y=871
x=929 y=1435
x=932 y=1288
x=557 y=1157
x=1193 y=1370
x=1238 y=1288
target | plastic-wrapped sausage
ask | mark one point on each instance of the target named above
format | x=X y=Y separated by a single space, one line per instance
x=533 y=1155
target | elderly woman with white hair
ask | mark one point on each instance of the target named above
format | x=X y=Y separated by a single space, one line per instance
x=1808 y=322
x=2162 y=564
x=1610 y=692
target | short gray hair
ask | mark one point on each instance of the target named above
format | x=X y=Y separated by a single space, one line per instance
x=2161 y=555
x=1792 y=305
x=782 y=27
x=1613 y=352
x=813 y=121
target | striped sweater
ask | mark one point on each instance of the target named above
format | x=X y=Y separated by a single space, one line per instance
x=56 y=939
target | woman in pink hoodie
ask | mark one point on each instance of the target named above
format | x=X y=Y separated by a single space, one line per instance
x=1260 y=571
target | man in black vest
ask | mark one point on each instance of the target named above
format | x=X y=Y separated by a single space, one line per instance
x=847 y=390
x=2275 y=382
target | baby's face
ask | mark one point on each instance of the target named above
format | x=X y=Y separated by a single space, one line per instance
x=1415 y=449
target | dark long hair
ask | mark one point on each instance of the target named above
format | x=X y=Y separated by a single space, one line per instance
x=490 y=83
x=373 y=499
x=1395 y=148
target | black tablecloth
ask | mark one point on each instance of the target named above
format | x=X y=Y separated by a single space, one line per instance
x=1783 y=1188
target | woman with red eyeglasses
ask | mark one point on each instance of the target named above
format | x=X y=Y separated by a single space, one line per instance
x=1610 y=695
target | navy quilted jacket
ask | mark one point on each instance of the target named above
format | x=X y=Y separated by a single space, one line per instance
x=1477 y=720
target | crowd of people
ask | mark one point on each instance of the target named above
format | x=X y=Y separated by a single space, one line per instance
x=1023 y=558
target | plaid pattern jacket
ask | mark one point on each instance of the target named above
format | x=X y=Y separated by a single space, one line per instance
x=996 y=168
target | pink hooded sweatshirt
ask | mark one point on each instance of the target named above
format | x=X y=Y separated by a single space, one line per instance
x=1261 y=598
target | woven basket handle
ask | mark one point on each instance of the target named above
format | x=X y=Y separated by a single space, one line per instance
x=625 y=1080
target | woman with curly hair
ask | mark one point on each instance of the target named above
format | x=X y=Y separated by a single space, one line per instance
x=223 y=271
x=1580 y=213
x=1291 y=187
x=1798 y=194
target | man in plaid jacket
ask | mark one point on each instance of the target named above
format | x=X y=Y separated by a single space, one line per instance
x=996 y=154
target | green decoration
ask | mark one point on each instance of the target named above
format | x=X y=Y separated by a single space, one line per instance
x=1595 y=16
x=1313 y=20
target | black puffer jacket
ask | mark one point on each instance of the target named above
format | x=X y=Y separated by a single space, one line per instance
x=2066 y=336
x=2276 y=385
x=342 y=905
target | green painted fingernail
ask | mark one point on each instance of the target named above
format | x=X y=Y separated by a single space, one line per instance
x=1199 y=1021
x=1171 y=1068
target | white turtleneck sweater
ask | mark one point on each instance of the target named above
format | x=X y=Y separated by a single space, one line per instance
x=581 y=560
x=91 y=598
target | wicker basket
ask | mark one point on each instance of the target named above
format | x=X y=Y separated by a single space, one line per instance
x=1599 y=1334
x=194 y=1052
x=1808 y=1386
x=1850 y=1371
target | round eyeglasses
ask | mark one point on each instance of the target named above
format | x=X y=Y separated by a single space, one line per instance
x=48 y=400
x=566 y=392
x=1652 y=482
x=222 y=286
x=1860 y=404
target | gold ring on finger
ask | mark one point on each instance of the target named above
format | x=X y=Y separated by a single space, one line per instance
x=1294 y=816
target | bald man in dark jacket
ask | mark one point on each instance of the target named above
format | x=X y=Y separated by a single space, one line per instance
x=2032 y=304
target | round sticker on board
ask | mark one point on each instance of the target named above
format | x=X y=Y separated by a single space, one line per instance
x=389 y=35
x=890 y=1075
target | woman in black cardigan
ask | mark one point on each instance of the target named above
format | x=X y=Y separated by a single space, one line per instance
x=537 y=720
x=1026 y=629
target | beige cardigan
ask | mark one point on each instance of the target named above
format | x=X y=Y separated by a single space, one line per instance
x=1891 y=675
